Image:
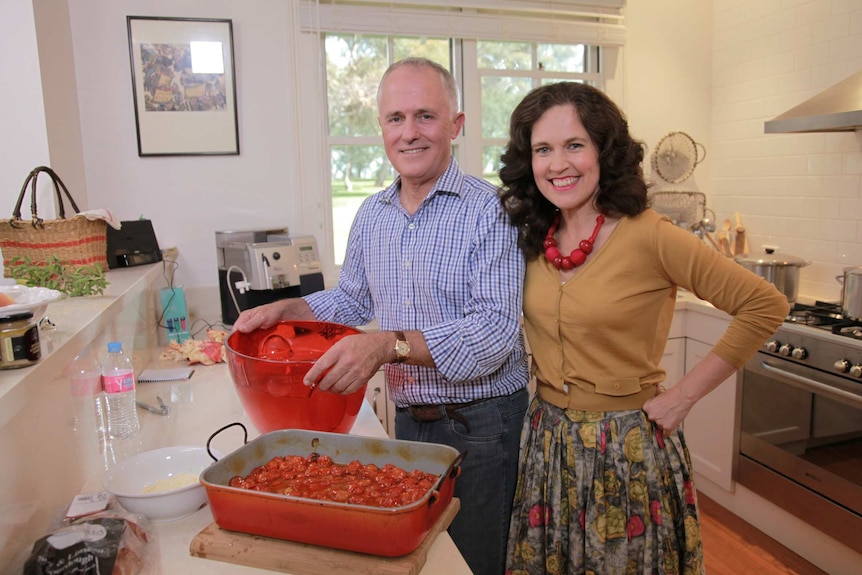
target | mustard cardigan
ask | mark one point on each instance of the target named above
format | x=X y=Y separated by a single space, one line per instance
x=597 y=340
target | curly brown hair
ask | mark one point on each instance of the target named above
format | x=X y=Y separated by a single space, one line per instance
x=622 y=188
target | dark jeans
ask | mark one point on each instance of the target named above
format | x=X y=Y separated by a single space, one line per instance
x=486 y=484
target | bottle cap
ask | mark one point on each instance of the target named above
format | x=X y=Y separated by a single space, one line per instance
x=115 y=346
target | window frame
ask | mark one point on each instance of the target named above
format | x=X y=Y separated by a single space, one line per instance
x=315 y=196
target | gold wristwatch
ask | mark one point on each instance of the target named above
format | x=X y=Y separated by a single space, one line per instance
x=402 y=347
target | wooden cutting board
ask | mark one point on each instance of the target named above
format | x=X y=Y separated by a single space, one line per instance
x=303 y=559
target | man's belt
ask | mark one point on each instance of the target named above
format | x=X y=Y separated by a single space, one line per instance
x=436 y=412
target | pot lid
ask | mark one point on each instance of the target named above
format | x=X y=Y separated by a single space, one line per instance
x=770 y=257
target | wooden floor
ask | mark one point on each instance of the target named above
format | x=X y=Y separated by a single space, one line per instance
x=733 y=547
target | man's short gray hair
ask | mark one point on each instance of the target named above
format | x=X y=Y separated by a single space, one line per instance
x=449 y=84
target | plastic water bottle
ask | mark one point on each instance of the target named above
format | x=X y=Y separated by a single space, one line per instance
x=85 y=387
x=118 y=383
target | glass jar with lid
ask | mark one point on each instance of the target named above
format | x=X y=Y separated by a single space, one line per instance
x=19 y=340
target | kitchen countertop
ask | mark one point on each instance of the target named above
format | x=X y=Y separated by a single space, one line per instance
x=36 y=417
x=199 y=407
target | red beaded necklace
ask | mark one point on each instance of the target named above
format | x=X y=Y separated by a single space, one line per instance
x=578 y=256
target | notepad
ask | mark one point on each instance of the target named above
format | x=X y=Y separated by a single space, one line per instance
x=152 y=375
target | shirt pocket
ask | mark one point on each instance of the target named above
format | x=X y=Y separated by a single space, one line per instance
x=619 y=387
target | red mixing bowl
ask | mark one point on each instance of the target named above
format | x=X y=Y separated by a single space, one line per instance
x=267 y=367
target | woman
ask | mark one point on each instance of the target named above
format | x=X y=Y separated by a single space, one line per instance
x=605 y=480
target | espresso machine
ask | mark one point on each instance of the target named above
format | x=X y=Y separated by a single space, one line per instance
x=256 y=267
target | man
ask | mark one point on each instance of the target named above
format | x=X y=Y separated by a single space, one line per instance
x=435 y=261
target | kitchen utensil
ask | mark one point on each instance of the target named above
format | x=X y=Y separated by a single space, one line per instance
x=739 y=242
x=740 y=245
x=290 y=557
x=684 y=208
x=390 y=532
x=162 y=409
x=129 y=480
x=782 y=270
x=712 y=241
x=267 y=367
x=851 y=292
x=676 y=156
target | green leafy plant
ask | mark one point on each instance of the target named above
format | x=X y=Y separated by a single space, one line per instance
x=71 y=280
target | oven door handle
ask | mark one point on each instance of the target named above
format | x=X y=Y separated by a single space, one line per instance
x=815 y=386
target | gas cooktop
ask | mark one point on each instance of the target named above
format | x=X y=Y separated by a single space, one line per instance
x=825 y=316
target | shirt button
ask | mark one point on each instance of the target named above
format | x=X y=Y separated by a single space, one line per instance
x=407 y=264
x=616 y=386
x=411 y=226
x=407 y=302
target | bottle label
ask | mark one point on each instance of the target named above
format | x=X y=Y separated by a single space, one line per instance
x=118 y=382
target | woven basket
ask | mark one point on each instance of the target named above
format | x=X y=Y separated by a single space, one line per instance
x=76 y=242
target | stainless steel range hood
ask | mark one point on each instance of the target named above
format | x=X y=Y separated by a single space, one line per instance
x=836 y=109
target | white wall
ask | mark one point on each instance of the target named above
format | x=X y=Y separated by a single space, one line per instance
x=24 y=141
x=675 y=77
x=189 y=198
x=802 y=192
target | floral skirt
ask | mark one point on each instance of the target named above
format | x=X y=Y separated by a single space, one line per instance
x=602 y=493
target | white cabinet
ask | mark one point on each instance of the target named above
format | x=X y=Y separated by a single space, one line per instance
x=710 y=429
x=673 y=361
x=378 y=397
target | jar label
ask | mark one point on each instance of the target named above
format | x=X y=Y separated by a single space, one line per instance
x=20 y=350
x=119 y=382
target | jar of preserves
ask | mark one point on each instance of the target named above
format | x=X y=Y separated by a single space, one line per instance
x=19 y=340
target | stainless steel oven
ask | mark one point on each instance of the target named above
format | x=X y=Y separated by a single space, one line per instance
x=801 y=421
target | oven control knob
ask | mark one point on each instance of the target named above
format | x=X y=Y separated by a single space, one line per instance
x=799 y=353
x=841 y=366
x=856 y=370
x=772 y=346
x=786 y=349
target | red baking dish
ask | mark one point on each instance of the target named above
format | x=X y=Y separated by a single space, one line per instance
x=389 y=532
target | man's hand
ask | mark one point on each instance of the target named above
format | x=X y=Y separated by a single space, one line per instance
x=268 y=315
x=351 y=362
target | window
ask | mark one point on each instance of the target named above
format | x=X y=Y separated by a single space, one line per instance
x=500 y=72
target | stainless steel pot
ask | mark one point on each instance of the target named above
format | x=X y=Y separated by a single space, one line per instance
x=781 y=270
x=851 y=292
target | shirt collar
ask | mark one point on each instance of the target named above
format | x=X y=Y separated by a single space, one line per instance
x=450 y=182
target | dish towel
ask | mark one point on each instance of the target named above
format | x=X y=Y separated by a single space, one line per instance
x=106 y=215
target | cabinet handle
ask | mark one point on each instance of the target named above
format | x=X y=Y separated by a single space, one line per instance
x=374 y=400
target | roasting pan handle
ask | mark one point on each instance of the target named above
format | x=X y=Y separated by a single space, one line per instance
x=454 y=470
x=244 y=439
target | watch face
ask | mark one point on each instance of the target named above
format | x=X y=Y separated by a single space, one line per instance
x=402 y=348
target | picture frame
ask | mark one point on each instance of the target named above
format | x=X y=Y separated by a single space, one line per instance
x=183 y=86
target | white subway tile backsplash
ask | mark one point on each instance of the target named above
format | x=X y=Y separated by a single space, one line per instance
x=823 y=165
x=852 y=163
x=802 y=192
x=826 y=208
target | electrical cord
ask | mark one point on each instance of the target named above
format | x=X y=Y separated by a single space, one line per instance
x=242 y=286
x=169 y=278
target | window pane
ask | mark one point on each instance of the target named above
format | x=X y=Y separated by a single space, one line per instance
x=562 y=58
x=491 y=163
x=354 y=65
x=435 y=49
x=504 y=55
x=357 y=172
x=500 y=95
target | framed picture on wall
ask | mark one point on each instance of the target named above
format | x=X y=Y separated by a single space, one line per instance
x=183 y=86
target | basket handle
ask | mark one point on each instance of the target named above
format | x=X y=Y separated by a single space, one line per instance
x=58 y=185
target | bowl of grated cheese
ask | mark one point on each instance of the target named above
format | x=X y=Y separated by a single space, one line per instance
x=161 y=484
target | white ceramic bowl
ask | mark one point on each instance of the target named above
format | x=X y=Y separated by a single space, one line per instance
x=32 y=299
x=130 y=480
